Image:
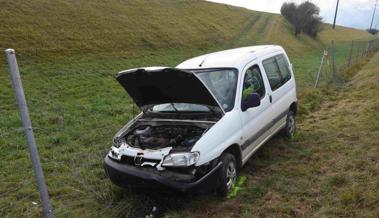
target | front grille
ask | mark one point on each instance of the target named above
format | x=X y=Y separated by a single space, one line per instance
x=127 y=160
x=130 y=160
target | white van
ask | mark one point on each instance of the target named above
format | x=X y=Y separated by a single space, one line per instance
x=203 y=120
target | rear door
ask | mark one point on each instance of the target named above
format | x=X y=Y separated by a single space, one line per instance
x=279 y=75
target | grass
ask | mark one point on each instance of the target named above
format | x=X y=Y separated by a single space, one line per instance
x=76 y=106
x=329 y=170
x=68 y=53
x=41 y=28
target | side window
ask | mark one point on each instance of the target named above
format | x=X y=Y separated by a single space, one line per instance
x=277 y=70
x=284 y=68
x=273 y=73
x=253 y=82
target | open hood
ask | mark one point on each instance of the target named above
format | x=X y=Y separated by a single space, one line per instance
x=159 y=85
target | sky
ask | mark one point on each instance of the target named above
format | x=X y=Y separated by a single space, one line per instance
x=351 y=13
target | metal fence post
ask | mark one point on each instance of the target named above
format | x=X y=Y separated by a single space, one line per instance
x=367 y=50
x=351 y=53
x=20 y=97
x=357 y=55
x=333 y=61
x=320 y=68
x=363 y=52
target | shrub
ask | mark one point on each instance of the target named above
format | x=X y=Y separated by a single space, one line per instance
x=373 y=31
x=304 y=17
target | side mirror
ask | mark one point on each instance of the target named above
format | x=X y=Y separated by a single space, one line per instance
x=253 y=100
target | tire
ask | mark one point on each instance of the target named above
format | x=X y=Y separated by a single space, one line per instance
x=290 y=128
x=228 y=175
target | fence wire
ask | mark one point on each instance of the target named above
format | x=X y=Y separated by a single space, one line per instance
x=338 y=57
x=82 y=181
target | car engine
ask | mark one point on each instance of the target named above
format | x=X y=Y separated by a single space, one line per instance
x=180 y=137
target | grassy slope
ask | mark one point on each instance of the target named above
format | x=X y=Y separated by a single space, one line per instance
x=330 y=170
x=116 y=26
x=82 y=27
x=76 y=105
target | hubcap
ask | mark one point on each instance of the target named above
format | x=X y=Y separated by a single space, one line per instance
x=231 y=175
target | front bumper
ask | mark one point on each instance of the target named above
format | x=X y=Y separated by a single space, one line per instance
x=125 y=175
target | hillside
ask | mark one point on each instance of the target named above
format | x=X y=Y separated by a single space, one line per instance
x=42 y=27
x=69 y=52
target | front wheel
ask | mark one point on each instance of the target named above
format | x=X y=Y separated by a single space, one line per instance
x=228 y=174
x=290 y=127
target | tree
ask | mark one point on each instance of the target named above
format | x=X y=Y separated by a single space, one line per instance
x=373 y=31
x=304 y=17
x=289 y=11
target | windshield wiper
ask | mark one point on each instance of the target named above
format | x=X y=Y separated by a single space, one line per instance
x=173 y=106
x=212 y=110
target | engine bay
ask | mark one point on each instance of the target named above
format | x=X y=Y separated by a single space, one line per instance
x=179 y=137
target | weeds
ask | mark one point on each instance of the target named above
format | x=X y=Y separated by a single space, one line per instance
x=237 y=187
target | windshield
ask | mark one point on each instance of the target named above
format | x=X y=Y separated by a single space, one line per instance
x=181 y=107
x=222 y=83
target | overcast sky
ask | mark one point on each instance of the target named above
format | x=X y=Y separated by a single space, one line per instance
x=352 y=13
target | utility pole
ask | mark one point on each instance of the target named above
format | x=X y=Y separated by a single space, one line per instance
x=373 y=15
x=335 y=15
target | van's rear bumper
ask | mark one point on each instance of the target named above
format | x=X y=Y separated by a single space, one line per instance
x=125 y=175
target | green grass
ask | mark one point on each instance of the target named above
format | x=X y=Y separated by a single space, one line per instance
x=76 y=106
x=330 y=169
x=130 y=27
x=68 y=54
x=42 y=28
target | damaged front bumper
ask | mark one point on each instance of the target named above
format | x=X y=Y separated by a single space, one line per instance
x=125 y=175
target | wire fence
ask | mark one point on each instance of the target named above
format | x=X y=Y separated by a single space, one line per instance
x=84 y=184
x=338 y=57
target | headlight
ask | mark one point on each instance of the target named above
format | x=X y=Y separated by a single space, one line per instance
x=181 y=159
x=114 y=153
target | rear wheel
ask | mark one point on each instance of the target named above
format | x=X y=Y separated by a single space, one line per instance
x=228 y=175
x=290 y=127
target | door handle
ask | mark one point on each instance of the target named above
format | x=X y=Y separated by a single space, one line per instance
x=270 y=97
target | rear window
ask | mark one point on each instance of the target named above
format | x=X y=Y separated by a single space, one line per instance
x=273 y=73
x=284 y=68
x=277 y=71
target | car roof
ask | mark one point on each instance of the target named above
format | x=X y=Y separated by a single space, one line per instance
x=234 y=58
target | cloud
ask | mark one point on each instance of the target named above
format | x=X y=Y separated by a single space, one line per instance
x=352 y=13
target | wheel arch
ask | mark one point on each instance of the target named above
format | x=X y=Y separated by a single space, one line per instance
x=235 y=150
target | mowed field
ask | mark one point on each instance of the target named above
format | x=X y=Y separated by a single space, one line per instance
x=69 y=52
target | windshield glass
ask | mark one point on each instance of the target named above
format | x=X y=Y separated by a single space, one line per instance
x=222 y=83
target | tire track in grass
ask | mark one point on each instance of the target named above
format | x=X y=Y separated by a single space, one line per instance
x=266 y=25
x=244 y=31
x=256 y=31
